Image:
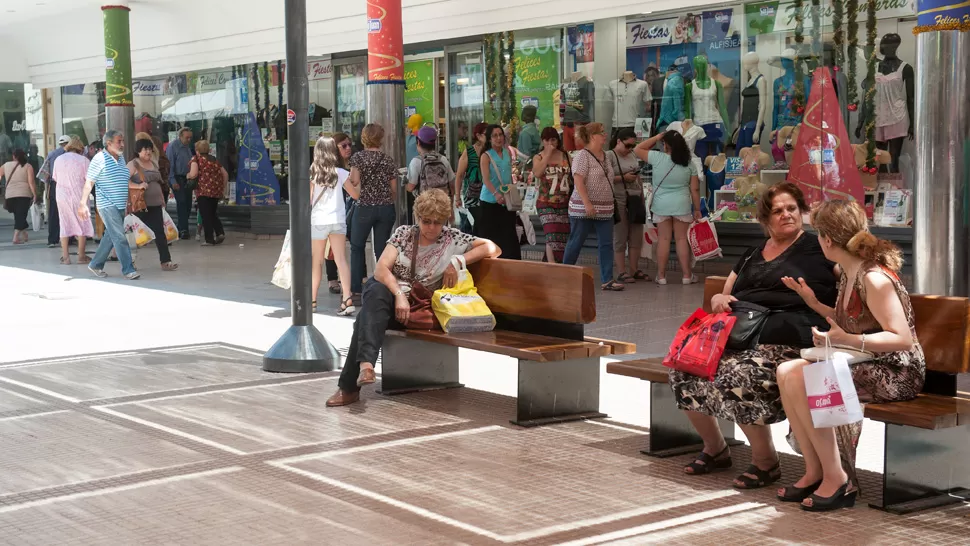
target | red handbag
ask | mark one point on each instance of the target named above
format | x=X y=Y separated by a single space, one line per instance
x=699 y=344
x=421 y=316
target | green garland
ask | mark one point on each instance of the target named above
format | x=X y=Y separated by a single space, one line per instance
x=511 y=117
x=490 y=64
x=838 y=37
x=269 y=122
x=870 y=98
x=853 y=29
x=256 y=85
x=503 y=90
x=816 y=33
x=798 y=91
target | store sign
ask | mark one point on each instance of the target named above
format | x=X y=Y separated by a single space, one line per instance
x=148 y=88
x=214 y=81
x=419 y=89
x=766 y=17
x=650 y=33
x=536 y=78
x=319 y=70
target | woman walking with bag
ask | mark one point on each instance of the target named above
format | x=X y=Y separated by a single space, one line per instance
x=676 y=191
x=552 y=170
x=21 y=193
x=468 y=179
x=497 y=221
x=591 y=206
x=212 y=179
x=144 y=171
x=628 y=193
x=345 y=151
x=328 y=218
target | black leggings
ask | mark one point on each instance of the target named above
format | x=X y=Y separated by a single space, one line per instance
x=153 y=219
x=20 y=206
x=209 y=208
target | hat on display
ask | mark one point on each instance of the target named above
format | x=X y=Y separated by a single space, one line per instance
x=415 y=122
x=427 y=135
x=64 y=139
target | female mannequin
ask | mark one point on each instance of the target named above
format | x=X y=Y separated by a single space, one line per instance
x=784 y=92
x=754 y=103
x=895 y=94
x=714 y=172
x=704 y=105
x=672 y=104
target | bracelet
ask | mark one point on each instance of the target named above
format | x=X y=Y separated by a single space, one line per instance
x=863 y=343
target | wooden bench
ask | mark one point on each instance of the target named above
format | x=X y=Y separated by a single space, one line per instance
x=927 y=440
x=541 y=310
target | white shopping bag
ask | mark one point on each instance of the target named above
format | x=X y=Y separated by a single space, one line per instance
x=283 y=272
x=832 y=398
x=650 y=237
x=530 y=201
x=137 y=232
x=37 y=217
x=171 y=232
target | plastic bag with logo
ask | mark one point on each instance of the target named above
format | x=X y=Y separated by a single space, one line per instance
x=171 y=232
x=699 y=344
x=832 y=398
x=460 y=309
x=137 y=232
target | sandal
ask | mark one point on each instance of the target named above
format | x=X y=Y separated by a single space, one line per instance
x=170 y=266
x=613 y=286
x=761 y=479
x=314 y=306
x=709 y=464
x=334 y=287
x=798 y=494
x=83 y=261
x=843 y=498
x=346 y=308
x=641 y=276
x=65 y=261
x=626 y=278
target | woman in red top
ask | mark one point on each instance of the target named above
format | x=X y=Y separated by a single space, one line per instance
x=552 y=171
x=212 y=186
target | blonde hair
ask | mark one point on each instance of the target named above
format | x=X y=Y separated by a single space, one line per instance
x=202 y=147
x=587 y=131
x=75 y=145
x=323 y=170
x=372 y=136
x=433 y=205
x=845 y=223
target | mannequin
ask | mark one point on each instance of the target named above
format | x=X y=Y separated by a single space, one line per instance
x=754 y=160
x=839 y=79
x=631 y=99
x=784 y=92
x=754 y=103
x=779 y=138
x=714 y=171
x=730 y=87
x=704 y=105
x=672 y=105
x=895 y=94
x=577 y=95
x=656 y=82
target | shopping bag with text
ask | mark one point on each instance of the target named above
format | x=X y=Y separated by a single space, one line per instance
x=832 y=398
x=699 y=344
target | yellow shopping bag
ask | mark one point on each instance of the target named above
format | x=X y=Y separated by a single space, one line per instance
x=460 y=309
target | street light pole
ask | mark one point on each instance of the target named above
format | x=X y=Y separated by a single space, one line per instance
x=302 y=349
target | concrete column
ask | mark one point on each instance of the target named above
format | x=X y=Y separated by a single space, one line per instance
x=119 y=108
x=385 y=84
x=941 y=253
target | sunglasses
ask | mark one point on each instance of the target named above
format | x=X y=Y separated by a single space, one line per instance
x=345 y=145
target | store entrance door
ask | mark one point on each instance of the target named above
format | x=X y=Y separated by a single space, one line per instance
x=465 y=96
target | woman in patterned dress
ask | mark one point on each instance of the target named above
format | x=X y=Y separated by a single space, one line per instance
x=872 y=313
x=386 y=303
x=70 y=171
x=552 y=171
x=745 y=390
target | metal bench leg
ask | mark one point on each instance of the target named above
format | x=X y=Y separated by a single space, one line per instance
x=410 y=365
x=670 y=431
x=556 y=392
x=924 y=468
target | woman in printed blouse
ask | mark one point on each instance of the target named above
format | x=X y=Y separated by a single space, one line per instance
x=552 y=172
x=591 y=204
x=872 y=313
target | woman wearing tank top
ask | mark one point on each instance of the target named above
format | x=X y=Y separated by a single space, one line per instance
x=468 y=178
x=497 y=221
x=552 y=171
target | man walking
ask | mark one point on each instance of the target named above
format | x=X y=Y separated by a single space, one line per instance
x=180 y=155
x=108 y=174
x=53 y=219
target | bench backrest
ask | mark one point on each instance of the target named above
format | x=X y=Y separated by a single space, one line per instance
x=942 y=326
x=554 y=292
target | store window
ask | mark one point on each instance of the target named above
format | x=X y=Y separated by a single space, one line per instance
x=351 y=99
x=22 y=118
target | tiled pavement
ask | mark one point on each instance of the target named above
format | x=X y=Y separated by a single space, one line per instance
x=197 y=445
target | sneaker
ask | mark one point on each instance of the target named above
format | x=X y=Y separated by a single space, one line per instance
x=198 y=237
x=204 y=243
x=52 y=245
x=133 y=276
x=220 y=239
x=661 y=282
x=691 y=280
x=99 y=273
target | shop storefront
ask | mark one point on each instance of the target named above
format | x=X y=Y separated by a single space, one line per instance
x=22 y=119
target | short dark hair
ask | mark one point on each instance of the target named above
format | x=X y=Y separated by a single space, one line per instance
x=764 y=205
x=679 y=152
x=625 y=133
x=488 y=135
x=549 y=133
x=652 y=69
x=20 y=156
x=144 y=144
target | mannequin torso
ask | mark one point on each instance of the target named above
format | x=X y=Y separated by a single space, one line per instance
x=672 y=104
x=631 y=97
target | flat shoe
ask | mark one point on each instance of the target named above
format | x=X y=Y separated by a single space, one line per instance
x=366 y=377
x=342 y=398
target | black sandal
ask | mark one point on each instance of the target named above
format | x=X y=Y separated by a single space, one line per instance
x=843 y=498
x=613 y=286
x=314 y=306
x=641 y=276
x=334 y=288
x=709 y=464
x=762 y=477
x=798 y=494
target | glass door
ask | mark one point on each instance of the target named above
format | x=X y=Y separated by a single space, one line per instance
x=465 y=96
x=351 y=104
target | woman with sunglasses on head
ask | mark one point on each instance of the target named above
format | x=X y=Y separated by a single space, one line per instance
x=345 y=150
x=328 y=218
x=591 y=204
x=497 y=221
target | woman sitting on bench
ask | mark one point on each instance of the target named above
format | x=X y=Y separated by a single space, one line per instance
x=872 y=313
x=744 y=390
x=385 y=298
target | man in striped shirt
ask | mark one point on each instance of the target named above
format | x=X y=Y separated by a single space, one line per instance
x=109 y=176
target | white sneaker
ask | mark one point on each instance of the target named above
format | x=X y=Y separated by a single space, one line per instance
x=662 y=282
x=691 y=280
x=133 y=276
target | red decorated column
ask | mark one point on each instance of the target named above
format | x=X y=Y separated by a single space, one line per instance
x=385 y=83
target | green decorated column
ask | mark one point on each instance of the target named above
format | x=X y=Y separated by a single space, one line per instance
x=119 y=103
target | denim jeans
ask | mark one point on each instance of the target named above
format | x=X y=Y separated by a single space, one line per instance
x=183 y=201
x=379 y=218
x=114 y=237
x=375 y=317
x=579 y=230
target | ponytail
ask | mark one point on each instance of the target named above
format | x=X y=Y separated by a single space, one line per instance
x=873 y=249
x=845 y=223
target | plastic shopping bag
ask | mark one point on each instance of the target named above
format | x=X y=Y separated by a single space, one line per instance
x=702 y=237
x=171 y=232
x=283 y=271
x=832 y=398
x=460 y=309
x=530 y=201
x=137 y=232
x=36 y=217
x=650 y=237
x=699 y=344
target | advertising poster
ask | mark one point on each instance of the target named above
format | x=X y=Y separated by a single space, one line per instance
x=419 y=89
x=537 y=78
x=722 y=44
x=581 y=42
x=650 y=33
x=760 y=18
x=256 y=183
x=688 y=30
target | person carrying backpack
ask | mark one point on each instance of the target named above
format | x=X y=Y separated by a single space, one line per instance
x=430 y=170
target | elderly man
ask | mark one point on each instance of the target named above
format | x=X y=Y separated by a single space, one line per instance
x=109 y=176
x=53 y=219
x=180 y=154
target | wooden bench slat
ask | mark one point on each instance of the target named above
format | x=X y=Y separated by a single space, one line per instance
x=648 y=369
x=562 y=293
x=618 y=347
x=928 y=411
x=512 y=344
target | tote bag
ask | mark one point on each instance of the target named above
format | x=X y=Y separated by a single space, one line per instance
x=832 y=398
x=699 y=344
x=460 y=309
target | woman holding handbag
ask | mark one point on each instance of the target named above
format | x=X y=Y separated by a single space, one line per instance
x=497 y=222
x=871 y=313
x=417 y=260
x=145 y=174
x=628 y=196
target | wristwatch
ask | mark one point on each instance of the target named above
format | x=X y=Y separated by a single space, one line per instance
x=399 y=293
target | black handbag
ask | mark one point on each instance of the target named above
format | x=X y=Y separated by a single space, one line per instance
x=636 y=207
x=750 y=319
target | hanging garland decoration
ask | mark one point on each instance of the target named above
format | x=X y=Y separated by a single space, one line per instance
x=798 y=91
x=281 y=138
x=256 y=84
x=269 y=122
x=869 y=105
x=490 y=66
x=853 y=30
x=838 y=37
x=503 y=90
x=511 y=115
x=816 y=33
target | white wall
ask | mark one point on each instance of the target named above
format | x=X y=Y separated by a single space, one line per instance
x=182 y=35
x=13 y=63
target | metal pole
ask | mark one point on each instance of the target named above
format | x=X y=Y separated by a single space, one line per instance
x=302 y=348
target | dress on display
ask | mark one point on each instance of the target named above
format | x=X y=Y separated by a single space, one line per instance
x=704 y=110
x=892 y=117
x=750 y=109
